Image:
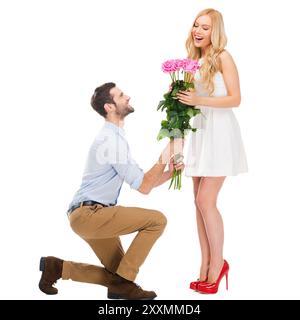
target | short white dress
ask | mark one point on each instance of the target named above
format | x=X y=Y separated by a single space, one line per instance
x=216 y=148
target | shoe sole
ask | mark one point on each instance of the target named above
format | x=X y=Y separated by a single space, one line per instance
x=117 y=296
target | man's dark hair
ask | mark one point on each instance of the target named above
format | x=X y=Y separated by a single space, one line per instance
x=102 y=96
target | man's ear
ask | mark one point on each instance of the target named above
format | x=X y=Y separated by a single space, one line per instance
x=109 y=107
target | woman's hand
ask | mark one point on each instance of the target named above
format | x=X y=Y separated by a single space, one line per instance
x=189 y=98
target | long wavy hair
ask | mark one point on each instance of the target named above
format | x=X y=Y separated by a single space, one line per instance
x=211 y=64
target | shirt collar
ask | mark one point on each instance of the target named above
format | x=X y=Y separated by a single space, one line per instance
x=114 y=127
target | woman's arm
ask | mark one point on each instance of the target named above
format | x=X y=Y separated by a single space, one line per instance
x=232 y=83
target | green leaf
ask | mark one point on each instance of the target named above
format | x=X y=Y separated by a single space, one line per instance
x=174 y=92
x=164 y=124
x=163 y=133
x=196 y=111
x=176 y=133
x=161 y=103
x=190 y=112
x=167 y=95
x=173 y=121
x=164 y=107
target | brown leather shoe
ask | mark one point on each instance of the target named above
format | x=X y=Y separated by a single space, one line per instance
x=121 y=288
x=51 y=268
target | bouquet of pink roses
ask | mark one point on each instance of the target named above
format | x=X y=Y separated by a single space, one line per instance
x=177 y=123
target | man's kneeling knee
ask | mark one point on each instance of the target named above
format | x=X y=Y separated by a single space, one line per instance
x=160 y=218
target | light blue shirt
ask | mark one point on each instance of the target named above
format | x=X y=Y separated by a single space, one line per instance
x=108 y=165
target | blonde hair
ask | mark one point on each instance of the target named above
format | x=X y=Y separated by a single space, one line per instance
x=211 y=63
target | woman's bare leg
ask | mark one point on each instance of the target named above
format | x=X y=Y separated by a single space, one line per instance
x=206 y=200
x=203 y=240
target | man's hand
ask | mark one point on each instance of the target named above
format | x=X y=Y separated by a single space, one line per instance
x=176 y=164
x=156 y=175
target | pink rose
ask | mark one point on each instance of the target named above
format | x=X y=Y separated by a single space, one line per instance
x=178 y=63
x=169 y=66
x=190 y=66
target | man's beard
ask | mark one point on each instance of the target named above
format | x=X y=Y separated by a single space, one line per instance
x=124 y=112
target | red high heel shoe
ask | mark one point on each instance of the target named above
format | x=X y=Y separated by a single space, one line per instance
x=194 y=284
x=211 y=288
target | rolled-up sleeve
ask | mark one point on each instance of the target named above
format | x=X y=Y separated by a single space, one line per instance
x=130 y=172
x=125 y=166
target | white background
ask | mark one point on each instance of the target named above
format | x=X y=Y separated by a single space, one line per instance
x=55 y=53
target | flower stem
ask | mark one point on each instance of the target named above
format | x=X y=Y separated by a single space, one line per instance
x=179 y=175
x=176 y=180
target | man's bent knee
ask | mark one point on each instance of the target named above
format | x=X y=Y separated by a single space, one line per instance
x=160 y=218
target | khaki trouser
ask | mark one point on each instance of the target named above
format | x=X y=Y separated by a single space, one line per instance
x=101 y=227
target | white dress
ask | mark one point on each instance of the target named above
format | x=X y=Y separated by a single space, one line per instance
x=216 y=148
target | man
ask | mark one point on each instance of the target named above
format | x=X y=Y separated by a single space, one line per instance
x=96 y=218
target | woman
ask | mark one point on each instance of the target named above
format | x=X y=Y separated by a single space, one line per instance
x=216 y=148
